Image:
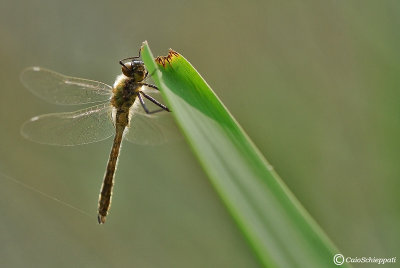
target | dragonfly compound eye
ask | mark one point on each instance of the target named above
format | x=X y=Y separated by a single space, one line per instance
x=127 y=69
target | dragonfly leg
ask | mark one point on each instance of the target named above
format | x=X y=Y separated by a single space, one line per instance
x=130 y=58
x=156 y=102
x=150 y=75
x=163 y=107
x=149 y=85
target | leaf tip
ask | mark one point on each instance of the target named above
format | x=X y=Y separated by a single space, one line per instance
x=144 y=44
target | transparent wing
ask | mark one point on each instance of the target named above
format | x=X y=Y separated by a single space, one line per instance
x=61 y=89
x=72 y=128
x=151 y=129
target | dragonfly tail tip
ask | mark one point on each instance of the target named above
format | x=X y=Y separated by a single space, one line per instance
x=101 y=219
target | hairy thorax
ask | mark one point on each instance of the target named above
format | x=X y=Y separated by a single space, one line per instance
x=125 y=91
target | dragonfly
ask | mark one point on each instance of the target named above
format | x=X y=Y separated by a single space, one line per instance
x=129 y=110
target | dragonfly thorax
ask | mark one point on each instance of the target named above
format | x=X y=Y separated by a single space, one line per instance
x=125 y=91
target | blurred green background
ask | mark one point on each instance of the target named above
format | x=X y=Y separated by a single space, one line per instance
x=315 y=84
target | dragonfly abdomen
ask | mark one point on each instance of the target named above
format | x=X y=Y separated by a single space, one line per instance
x=108 y=182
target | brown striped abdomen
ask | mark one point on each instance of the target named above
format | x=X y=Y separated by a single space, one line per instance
x=107 y=187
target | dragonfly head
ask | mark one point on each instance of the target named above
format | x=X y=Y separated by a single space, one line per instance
x=134 y=69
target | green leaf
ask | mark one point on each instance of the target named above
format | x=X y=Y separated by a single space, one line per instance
x=277 y=227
